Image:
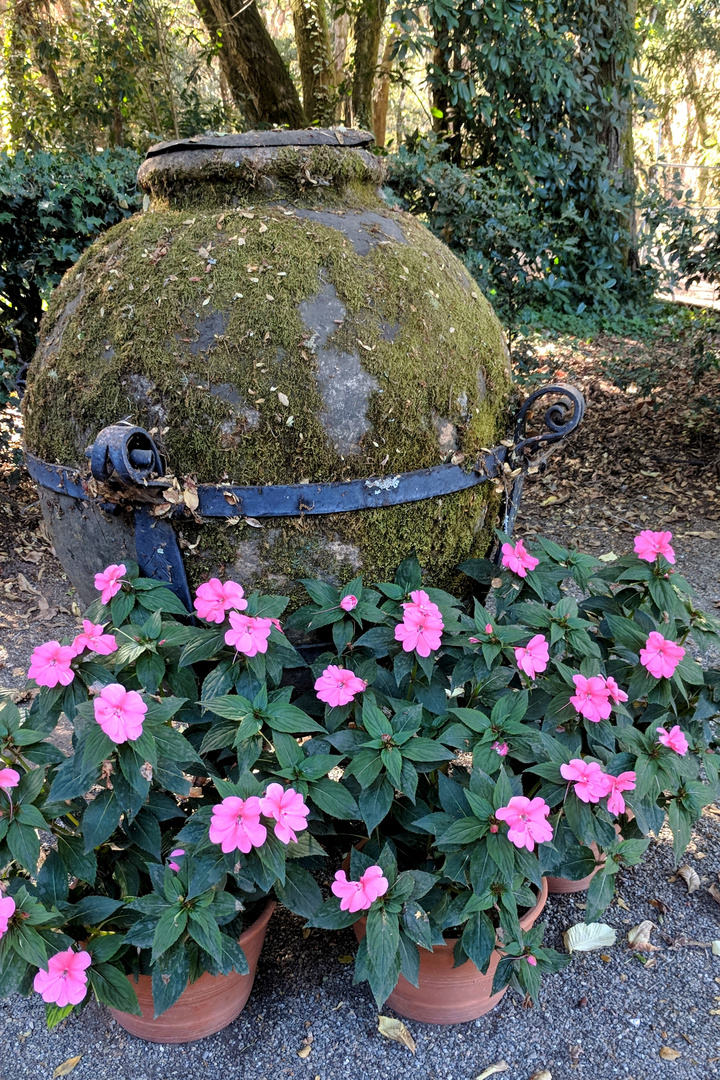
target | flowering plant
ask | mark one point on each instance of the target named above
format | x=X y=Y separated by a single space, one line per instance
x=458 y=757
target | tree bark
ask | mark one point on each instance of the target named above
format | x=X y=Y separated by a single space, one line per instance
x=317 y=70
x=258 y=79
x=368 y=30
x=382 y=93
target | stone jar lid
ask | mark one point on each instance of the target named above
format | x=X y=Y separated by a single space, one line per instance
x=329 y=157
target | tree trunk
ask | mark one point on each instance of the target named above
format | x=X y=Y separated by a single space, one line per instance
x=258 y=79
x=368 y=30
x=317 y=70
x=382 y=93
x=340 y=34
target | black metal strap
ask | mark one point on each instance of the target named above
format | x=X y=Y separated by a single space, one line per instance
x=128 y=464
x=274 y=500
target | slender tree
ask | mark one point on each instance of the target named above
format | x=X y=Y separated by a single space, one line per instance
x=317 y=69
x=258 y=79
x=368 y=32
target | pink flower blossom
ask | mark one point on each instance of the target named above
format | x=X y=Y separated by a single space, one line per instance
x=276 y=623
x=591 y=698
x=624 y=782
x=648 y=545
x=661 y=656
x=421 y=606
x=488 y=628
x=360 y=895
x=518 y=559
x=419 y=634
x=64 y=982
x=500 y=748
x=249 y=633
x=236 y=824
x=214 y=598
x=533 y=657
x=109 y=582
x=92 y=638
x=591 y=783
x=7 y=910
x=337 y=686
x=531 y=960
x=9 y=778
x=674 y=739
x=616 y=694
x=349 y=602
x=526 y=818
x=288 y=809
x=120 y=713
x=176 y=854
x=50 y=664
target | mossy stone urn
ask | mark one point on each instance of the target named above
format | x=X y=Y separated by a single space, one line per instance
x=269 y=320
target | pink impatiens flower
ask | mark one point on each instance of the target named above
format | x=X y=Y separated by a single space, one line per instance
x=526 y=818
x=661 y=656
x=349 y=602
x=249 y=633
x=120 y=713
x=422 y=625
x=64 y=982
x=9 y=778
x=674 y=739
x=214 y=598
x=591 y=698
x=236 y=824
x=518 y=559
x=624 y=782
x=92 y=638
x=648 y=545
x=591 y=783
x=7 y=910
x=176 y=854
x=50 y=664
x=109 y=582
x=360 y=895
x=337 y=686
x=533 y=657
x=500 y=748
x=614 y=692
x=531 y=960
x=288 y=809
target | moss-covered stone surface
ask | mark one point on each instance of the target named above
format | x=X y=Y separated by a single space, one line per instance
x=321 y=338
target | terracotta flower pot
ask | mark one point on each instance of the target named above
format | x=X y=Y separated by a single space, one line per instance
x=563 y=885
x=446 y=994
x=205 y=1006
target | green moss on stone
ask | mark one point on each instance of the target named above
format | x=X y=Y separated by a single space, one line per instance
x=188 y=323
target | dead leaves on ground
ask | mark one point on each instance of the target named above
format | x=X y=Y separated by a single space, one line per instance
x=639 y=937
x=690 y=877
x=491 y=1070
x=668 y=1054
x=66 y=1067
x=583 y=937
x=396 y=1030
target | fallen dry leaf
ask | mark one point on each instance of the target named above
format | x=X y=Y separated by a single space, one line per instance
x=283 y=399
x=544 y=1074
x=346 y=959
x=660 y=905
x=498 y=1067
x=690 y=877
x=639 y=937
x=304 y=1052
x=714 y=891
x=715 y=946
x=582 y=937
x=621 y=903
x=396 y=1030
x=668 y=1054
x=66 y=1067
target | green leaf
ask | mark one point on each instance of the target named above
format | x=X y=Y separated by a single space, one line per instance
x=113 y=988
x=170 y=927
x=375 y=802
x=205 y=931
x=383 y=939
x=100 y=819
x=78 y=862
x=333 y=799
x=24 y=845
x=145 y=832
x=52 y=880
x=162 y=599
x=464 y=831
x=300 y=892
x=169 y=977
x=290 y=719
x=478 y=940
